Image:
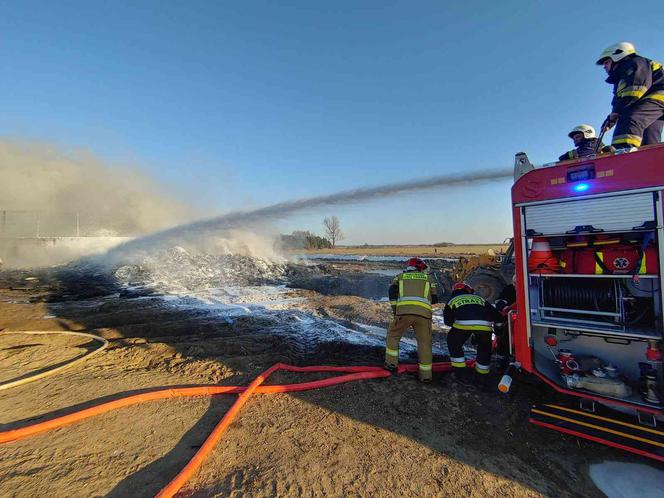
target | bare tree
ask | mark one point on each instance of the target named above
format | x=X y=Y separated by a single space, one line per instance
x=333 y=229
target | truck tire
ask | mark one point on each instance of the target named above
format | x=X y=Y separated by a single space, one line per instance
x=486 y=286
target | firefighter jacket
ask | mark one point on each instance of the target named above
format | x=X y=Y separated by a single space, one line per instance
x=470 y=312
x=635 y=78
x=587 y=148
x=413 y=293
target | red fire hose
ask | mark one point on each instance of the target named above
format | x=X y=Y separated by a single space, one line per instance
x=352 y=373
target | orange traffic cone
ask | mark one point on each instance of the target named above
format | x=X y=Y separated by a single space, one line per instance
x=541 y=258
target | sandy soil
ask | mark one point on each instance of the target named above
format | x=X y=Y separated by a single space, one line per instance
x=424 y=251
x=385 y=437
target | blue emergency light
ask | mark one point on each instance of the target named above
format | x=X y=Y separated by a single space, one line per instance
x=580 y=175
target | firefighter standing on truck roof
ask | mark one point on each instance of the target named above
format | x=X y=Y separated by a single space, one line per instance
x=412 y=295
x=585 y=142
x=638 y=96
x=469 y=314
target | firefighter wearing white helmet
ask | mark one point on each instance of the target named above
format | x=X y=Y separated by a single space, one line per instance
x=585 y=141
x=616 y=52
x=586 y=130
x=638 y=96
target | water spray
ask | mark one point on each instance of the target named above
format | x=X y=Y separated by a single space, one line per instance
x=237 y=219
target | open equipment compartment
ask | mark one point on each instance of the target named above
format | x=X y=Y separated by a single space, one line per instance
x=593 y=318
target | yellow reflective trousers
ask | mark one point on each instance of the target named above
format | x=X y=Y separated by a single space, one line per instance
x=422 y=328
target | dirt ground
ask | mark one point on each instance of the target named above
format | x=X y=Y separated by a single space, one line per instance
x=382 y=437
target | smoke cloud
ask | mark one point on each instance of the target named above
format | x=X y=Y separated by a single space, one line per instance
x=68 y=194
x=48 y=197
x=109 y=200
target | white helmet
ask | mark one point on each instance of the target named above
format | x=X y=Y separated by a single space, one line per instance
x=587 y=130
x=616 y=52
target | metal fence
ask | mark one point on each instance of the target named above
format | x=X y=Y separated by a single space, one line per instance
x=31 y=224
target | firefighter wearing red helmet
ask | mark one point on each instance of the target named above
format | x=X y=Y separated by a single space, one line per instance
x=412 y=295
x=469 y=314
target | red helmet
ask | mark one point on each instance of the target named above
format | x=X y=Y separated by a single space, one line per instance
x=463 y=286
x=417 y=263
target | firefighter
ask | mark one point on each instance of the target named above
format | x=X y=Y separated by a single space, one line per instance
x=585 y=141
x=412 y=295
x=469 y=314
x=638 y=96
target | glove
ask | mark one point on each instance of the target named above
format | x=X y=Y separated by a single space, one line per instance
x=610 y=121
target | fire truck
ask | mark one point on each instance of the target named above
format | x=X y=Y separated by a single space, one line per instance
x=588 y=321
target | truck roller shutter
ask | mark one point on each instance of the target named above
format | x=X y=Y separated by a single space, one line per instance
x=617 y=213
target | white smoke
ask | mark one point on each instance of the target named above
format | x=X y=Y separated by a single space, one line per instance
x=57 y=205
x=58 y=185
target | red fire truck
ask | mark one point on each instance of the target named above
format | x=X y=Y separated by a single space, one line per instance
x=589 y=321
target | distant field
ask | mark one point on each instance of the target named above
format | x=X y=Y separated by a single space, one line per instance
x=411 y=250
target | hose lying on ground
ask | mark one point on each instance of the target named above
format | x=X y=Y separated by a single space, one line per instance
x=352 y=373
x=54 y=370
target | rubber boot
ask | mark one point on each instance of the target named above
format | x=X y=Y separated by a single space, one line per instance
x=389 y=367
x=426 y=380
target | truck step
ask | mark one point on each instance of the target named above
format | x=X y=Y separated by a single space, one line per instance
x=602 y=426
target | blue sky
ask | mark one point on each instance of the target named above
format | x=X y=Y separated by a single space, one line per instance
x=235 y=105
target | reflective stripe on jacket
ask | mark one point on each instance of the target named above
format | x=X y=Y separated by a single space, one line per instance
x=413 y=293
x=635 y=78
x=470 y=312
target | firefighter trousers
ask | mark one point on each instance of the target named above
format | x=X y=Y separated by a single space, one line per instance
x=640 y=124
x=422 y=328
x=455 y=341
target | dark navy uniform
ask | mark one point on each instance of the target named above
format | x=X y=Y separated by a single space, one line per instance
x=638 y=96
x=469 y=314
x=585 y=149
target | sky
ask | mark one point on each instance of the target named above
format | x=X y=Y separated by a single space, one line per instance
x=237 y=105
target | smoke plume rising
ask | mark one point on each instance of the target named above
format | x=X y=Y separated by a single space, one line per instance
x=56 y=206
x=113 y=201
x=109 y=200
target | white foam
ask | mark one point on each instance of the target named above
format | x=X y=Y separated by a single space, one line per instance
x=222 y=286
